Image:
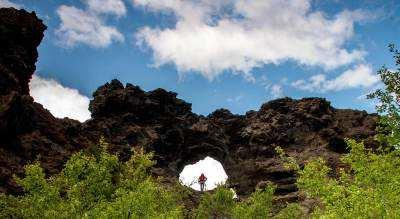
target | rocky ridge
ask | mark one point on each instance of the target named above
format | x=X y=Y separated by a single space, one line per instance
x=129 y=117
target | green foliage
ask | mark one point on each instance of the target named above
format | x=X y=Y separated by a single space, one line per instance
x=221 y=204
x=258 y=205
x=147 y=200
x=389 y=100
x=93 y=185
x=369 y=189
x=288 y=162
x=218 y=204
x=292 y=211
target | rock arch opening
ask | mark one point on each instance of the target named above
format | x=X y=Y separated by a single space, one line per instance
x=212 y=169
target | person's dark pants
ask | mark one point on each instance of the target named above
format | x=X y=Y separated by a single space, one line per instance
x=202 y=187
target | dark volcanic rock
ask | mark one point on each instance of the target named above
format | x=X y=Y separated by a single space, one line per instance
x=128 y=117
x=27 y=130
x=19 y=36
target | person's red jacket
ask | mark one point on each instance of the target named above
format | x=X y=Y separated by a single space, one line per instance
x=202 y=178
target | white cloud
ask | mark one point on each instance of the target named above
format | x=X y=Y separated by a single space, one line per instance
x=235 y=99
x=87 y=27
x=8 y=4
x=59 y=100
x=209 y=38
x=360 y=76
x=276 y=91
x=114 y=7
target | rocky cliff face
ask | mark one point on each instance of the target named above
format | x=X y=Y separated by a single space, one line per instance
x=27 y=131
x=129 y=117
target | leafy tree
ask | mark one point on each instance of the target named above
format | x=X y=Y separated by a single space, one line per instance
x=93 y=185
x=369 y=189
x=389 y=100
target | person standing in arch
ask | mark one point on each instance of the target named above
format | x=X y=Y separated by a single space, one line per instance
x=202 y=181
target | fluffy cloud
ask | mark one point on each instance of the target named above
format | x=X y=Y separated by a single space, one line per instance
x=114 y=7
x=210 y=37
x=8 y=4
x=59 y=100
x=88 y=26
x=360 y=76
x=276 y=91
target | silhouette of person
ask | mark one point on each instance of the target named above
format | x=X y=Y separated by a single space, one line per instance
x=202 y=180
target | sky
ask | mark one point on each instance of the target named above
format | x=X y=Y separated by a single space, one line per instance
x=211 y=168
x=233 y=54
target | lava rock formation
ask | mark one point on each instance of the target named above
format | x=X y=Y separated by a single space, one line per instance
x=129 y=117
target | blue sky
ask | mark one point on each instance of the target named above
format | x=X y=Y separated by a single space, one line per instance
x=234 y=54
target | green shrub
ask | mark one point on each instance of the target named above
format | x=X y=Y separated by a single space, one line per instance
x=369 y=189
x=291 y=211
x=218 y=204
x=221 y=204
x=93 y=185
x=258 y=205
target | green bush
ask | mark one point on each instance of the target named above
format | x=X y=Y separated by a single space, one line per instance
x=258 y=205
x=93 y=185
x=388 y=106
x=221 y=204
x=218 y=204
x=291 y=211
x=370 y=188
